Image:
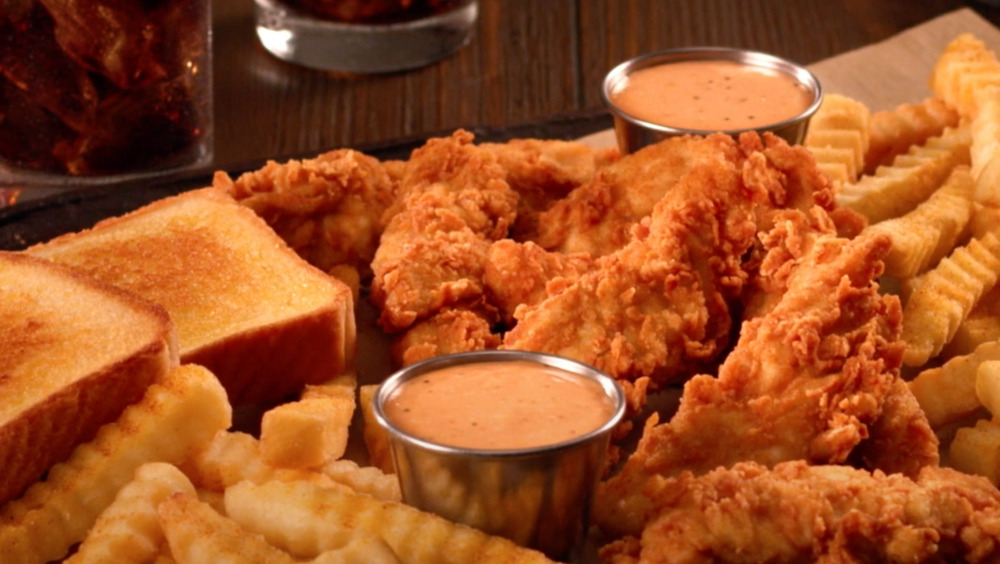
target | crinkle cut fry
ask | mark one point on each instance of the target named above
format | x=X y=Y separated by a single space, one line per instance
x=898 y=188
x=940 y=299
x=925 y=235
x=416 y=537
x=128 y=531
x=892 y=132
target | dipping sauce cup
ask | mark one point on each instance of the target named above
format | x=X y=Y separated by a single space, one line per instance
x=510 y=442
x=703 y=90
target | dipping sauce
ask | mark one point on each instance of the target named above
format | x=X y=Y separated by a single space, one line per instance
x=711 y=95
x=499 y=405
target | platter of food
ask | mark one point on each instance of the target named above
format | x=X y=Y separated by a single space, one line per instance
x=806 y=336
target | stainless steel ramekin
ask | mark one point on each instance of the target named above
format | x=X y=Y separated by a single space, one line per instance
x=538 y=497
x=633 y=133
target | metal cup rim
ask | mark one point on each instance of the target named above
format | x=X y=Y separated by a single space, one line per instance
x=746 y=56
x=611 y=387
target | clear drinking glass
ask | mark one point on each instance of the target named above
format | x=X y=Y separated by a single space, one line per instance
x=100 y=91
x=364 y=36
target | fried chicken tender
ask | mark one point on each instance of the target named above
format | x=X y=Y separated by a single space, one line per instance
x=453 y=202
x=523 y=274
x=597 y=217
x=446 y=332
x=329 y=209
x=661 y=306
x=543 y=171
x=808 y=378
x=801 y=513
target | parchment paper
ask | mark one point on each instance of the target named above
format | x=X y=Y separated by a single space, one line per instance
x=891 y=72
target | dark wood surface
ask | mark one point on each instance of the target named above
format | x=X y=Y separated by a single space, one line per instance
x=529 y=61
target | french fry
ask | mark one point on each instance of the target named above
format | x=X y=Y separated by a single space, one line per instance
x=415 y=536
x=976 y=450
x=942 y=298
x=306 y=433
x=985 y=149
x=947 y=393
x=963 y=69
x=376 y=438
x=177 y=413
x=988 y=386
x=838 y=136
x=981 y=326
x=364 y=479
x=196 y=534
x=924 y=236
x=911 y=178
x=128 y=531
x=298 y=529
x=231 y=457
x=892 y=132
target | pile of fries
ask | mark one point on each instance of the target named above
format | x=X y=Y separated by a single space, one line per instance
x=170 y=482
x=927 y=174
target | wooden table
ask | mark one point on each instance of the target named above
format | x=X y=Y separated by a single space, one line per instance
x=529 y=61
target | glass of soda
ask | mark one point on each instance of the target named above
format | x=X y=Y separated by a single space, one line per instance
x=99 y=91
x=364 y=36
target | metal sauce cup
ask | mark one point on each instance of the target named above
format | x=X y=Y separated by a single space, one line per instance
x=633 y=133
x=538 y=497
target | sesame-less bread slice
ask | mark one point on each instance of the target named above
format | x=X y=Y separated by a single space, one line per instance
x=245 y=305
x=74 y=353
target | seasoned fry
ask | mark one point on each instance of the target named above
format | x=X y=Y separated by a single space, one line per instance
x=416 y=537
x=128 y=531
x=981 y=326
x=988 y=386
x=838 y=136
x=896 y=189
x=985 y=149
x=183 y=410
x=892 y=132
x=297 y=528
x=947 y=393
x=943 y=297
x=962 y=70
x=976 y=450
x=364 y=479
x=306 y=433
x=376 y=438
x=197 y=534
x=924 y=236
x=231 y=457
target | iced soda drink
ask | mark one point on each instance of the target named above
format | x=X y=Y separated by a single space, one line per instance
x=104 y=87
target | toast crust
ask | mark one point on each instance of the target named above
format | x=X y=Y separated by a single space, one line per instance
x=76 y=353
x=245 y=305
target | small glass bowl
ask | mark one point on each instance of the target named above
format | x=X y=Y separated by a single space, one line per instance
x=633 y=133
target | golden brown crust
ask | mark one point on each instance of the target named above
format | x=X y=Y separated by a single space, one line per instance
x=246 y=306
x=77 y=352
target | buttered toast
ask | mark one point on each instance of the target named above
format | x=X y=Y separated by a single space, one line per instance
x=245 y=305
x=74 y=353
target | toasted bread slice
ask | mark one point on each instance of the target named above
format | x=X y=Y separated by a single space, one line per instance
x=245 y=305
x=75 y=353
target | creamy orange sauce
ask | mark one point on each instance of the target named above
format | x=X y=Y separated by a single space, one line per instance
x=498 y=405
x=711 y=95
